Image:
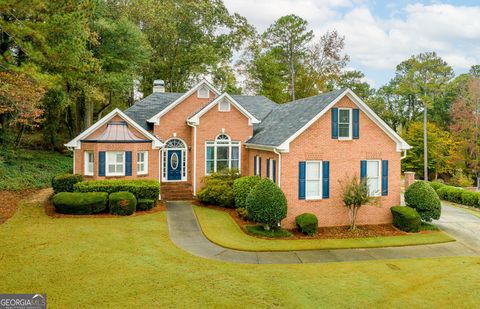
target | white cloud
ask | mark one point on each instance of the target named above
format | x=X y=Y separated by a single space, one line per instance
x=381 y=42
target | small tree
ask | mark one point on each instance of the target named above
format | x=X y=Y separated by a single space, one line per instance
x=355 y=195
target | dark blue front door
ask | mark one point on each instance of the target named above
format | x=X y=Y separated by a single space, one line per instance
x=174 y=165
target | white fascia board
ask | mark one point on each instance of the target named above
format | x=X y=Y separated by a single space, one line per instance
x=401 y=144
x=195 y=119
x=156 y=119
x=265 y=147
x=75 y=143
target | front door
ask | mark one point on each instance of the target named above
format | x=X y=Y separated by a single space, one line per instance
x=174 y=165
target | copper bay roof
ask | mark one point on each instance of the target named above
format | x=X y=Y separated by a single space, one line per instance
x=116 y=132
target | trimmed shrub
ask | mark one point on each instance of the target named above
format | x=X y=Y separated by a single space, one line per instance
x=75 y=203
x=470 y=198
x=307 y=223
x=242 y=187
x=406 y=218
x=436 y=185
x=218 y=189
x=145 y=204
x=421 y=196
x=142 y=189
x=452 y=194
x=266 y=203
x=65 y=182
x=122 y=203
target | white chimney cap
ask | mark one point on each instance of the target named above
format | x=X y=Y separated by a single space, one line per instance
x=158 y=85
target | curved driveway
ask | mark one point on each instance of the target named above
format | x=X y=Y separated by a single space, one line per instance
x=185 y=232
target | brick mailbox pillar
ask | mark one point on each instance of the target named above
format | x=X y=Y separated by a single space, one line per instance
x=409 y=179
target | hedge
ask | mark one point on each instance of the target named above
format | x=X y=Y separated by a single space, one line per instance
x=145 y=204
x=80 y=203
x=307 y=223
x=242 y=187
x=437 y=185
x=65 y=182
x=122 y=203
x=218 y=189
x=266 y=204
x=421 y=196
x=406 y=218
x=458 y=195
x=142 y=189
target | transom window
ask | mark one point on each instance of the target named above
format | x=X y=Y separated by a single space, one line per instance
x=115 y=163
x=142 y=162
x=373 y=177
x=88 y=163
x=345 y=123
x=313 y=180
x=224 y=106
x=222 y=154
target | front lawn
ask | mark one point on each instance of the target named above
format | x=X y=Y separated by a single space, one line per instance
x=220 y=228
x=127 y=262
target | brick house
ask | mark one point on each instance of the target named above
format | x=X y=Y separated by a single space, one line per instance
x=306 y=146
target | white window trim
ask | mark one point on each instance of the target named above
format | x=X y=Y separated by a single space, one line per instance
x=165 y=159
x=199 y=92
x=107 y=173
x=379 y=191
x=350 y=129
x=224 y=102
x=86 y=163
x=145 y=162
x=230 y=144
x=257 y=165
x=311 y=198
x=270 y=169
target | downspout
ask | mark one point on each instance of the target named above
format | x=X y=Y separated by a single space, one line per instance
x=160 y=165
x=404 y=154
x=279 y=166
x=194 y=158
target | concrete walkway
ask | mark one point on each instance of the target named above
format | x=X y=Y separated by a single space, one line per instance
x=185 y=232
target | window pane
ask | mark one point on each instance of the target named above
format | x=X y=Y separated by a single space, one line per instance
x=313 y=188
x=222 y=152
x=119 y=157
x=373 y=185
x=209 y=167
x=111 y=168
x=344 y=116
x=313 y=170
x=210 y=153
x=221 y=165
x=235 y=152
x=372 y=168
x=111 y=157
x=343 y=130
x=235 y=164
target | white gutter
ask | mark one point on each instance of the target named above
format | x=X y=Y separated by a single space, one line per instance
x=279 y=167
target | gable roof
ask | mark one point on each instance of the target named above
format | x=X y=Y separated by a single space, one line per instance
x=195 y=118
x=75 y=143
x=150 y=106
x=156 y=118
x=289 y=120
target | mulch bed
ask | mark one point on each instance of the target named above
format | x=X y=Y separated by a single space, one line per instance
x=335 y=232
x=8 y=204
x=50 y=211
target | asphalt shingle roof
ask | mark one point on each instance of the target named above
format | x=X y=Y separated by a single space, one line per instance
x=288 y=118
x=259 y=106
x=150 y=106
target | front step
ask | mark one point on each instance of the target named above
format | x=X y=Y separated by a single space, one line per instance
x=171 y=191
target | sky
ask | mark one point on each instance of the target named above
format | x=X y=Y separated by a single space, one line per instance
x=381 y=34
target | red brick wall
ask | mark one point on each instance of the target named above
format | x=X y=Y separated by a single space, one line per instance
x=175 y=121
x=344 y=156
x=234 y=124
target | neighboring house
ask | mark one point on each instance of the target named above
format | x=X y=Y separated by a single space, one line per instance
x=306 y=146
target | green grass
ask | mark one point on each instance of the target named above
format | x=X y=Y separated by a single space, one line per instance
x=231 y=236
x=27 y=169
x=127 y=262
x=273 y=233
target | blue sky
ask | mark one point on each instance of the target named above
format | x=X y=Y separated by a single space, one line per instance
x=381 y=34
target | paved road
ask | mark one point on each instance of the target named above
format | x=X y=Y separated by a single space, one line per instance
x=185 y=232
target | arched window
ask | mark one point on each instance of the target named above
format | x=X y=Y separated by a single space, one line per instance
x=223 y=153
x=175 y=143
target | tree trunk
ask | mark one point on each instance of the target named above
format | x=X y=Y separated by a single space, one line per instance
x=425 y=144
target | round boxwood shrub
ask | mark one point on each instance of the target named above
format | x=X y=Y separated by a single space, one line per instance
x=266 y=204
x=80 y=203
x=65 y=182
x=421 y=196
x=242 y=187
x=307 y=223
x=406 y=218
x=218 y=189
x=122 y=203
x=145 y=204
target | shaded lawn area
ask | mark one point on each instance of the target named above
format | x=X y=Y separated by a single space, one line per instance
x=130 y=261
x=220 y=228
